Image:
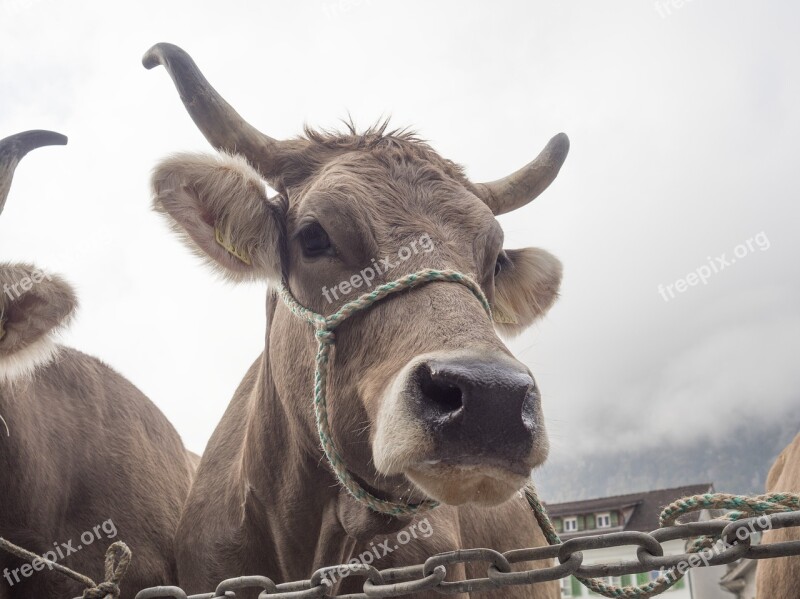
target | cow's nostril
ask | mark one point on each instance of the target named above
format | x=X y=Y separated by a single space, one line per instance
x=443 y=394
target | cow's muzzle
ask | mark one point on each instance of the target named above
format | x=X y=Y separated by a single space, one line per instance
x=462 y=426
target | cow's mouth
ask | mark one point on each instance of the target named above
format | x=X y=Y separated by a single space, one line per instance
x=457 y=483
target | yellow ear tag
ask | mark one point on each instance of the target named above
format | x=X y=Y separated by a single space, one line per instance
x=230 y=248
x=501 y=317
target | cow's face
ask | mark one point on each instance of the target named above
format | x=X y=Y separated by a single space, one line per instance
x=33 y=305
x=421 y=387
x=425 y=400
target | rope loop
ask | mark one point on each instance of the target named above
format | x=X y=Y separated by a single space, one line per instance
x=118 y=558
x=324 y=332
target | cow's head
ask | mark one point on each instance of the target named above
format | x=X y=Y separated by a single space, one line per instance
x=33 y=303
x=422 y=389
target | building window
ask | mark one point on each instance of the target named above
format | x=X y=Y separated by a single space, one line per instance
x=603 y=520
x=570 y=524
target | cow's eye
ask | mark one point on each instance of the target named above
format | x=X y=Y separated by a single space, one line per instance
x=315 y=240
x=502 y=260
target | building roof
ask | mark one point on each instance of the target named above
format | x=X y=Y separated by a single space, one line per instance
x=647 y=505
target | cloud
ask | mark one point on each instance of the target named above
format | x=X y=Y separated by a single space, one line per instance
x=735 y=371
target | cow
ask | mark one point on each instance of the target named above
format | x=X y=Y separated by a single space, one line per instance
x=85 y=458
x=425 y=403
x=781 y=577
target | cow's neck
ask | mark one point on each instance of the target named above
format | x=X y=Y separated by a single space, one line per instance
x=294 y=505
x=289 y=511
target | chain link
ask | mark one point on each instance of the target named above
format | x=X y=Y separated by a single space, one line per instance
x=735 y=536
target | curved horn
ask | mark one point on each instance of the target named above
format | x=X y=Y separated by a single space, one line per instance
x=14 y=147
x=521 y=187
x=221 y=125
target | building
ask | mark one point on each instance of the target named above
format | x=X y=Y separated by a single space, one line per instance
x=638 y=512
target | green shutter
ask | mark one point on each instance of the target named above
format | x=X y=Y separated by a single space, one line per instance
x=626 y=580
x=642 y=578
x=577 y=587
x=680 y=584
x=614 y=519
x=591 y=522
x=559 y=524
x=581 y=523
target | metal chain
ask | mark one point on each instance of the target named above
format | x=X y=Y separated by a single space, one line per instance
x=760 y=505
x=735 y=536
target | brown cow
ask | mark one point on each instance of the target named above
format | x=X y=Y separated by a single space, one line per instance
x=425 y=401
x=85 y=457
x=780 y=578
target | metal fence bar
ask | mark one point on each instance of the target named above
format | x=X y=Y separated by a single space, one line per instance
x=734 y=538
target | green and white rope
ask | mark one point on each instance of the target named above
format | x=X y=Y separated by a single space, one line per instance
x=759 y=505
x=325 y=327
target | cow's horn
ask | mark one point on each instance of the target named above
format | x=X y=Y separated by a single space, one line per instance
x=521 y=187
x=221 y=125
x=14 y=147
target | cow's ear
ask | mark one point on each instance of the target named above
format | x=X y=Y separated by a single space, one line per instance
x=218 y=204
x=525 y=288
x=33 y=304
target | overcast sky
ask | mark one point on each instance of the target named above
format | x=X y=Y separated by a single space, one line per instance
x=685 y=140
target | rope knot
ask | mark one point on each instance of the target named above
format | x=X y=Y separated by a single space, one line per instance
x=326 y=336
x=118 y=558
x=102 y=590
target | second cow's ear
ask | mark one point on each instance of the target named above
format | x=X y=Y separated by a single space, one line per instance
x=525 y=289
x=218 y=204
x=33 y=304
